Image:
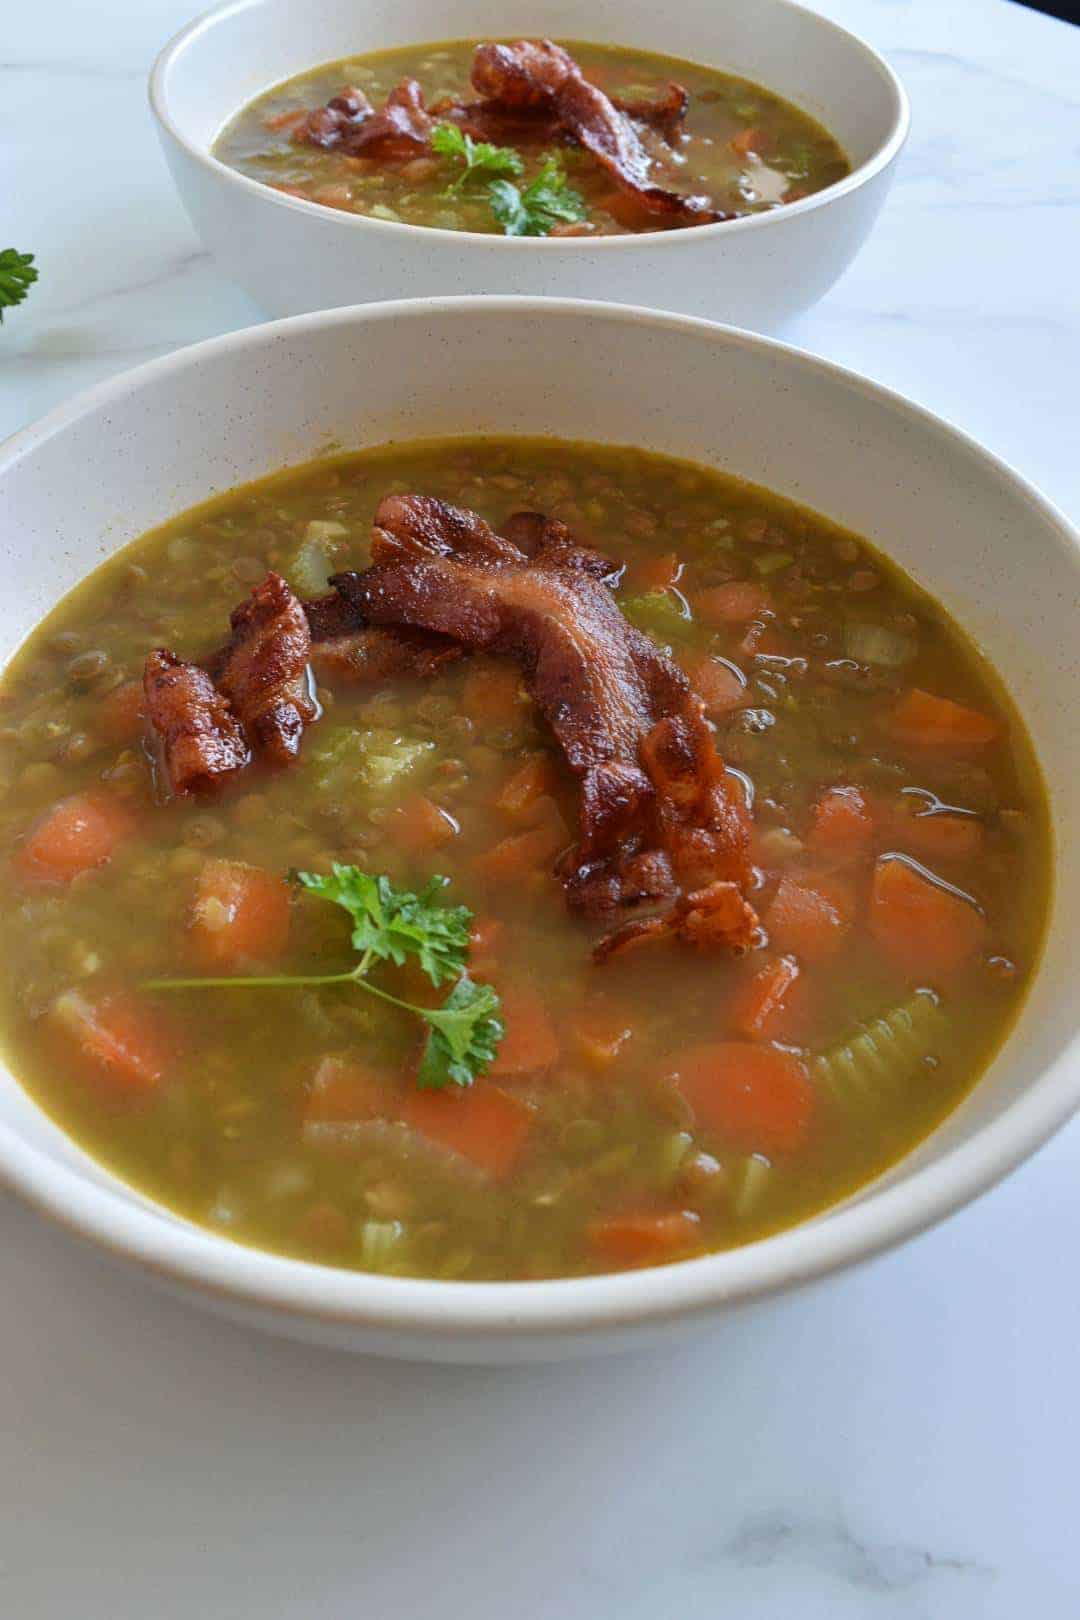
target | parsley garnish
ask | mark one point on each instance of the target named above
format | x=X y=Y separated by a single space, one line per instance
x=17 y=276
x=532 y=211
x=391 y=925
x=480 y=158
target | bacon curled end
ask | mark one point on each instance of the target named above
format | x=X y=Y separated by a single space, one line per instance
x=200 y=742
x=264 y=672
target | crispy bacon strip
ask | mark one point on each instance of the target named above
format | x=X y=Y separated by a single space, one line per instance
x=538 y=77
x=200 y=742
x=659 y=814
x=372 y=655
x=263 y=669
x=350 y=125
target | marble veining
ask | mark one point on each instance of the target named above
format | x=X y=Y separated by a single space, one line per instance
x=897 y=1445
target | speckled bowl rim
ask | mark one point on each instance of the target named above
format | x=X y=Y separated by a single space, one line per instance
x=442 y=1311
x=478 y=240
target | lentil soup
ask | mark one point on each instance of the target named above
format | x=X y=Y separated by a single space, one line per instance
x=743 y=149
x=662 y=1102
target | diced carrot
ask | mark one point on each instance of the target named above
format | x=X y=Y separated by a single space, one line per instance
x=342 y=1091
x=921 y=720
x=524 y=854
x=285 y=120
x=530 y=1044
x=655 y=573
x=484 y=939
x=418 y=825
x=120 y=717
x=759 y=1000
x=923 y=928
x=755 y=1097
x=483 y=1124
x=735 y=603
x=601 y=1033
x=336 y=194
x=842 y=826
x=76 y=835
x=323 y=1226
x=747 y=141
x=765 y=638
x=808 y=917
x=719 y=684
x=524 y=786
x=491 y=697
x=119 y=1036
x=646 y=1238
x=942 y=836
x=240 y=914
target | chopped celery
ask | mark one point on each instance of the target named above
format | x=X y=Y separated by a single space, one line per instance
x=771 y=562
x=378 y=1242
x=658 y=613
x=885 y=1054
x=313 y=561
x=349 y=757
x=750 y=1178
x=870 y=643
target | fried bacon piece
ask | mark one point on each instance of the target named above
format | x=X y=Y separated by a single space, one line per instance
x=372 y=655
x=659 y=817
x=199 y=740
x=263 y=670
x=536 y=77
x=350 y=125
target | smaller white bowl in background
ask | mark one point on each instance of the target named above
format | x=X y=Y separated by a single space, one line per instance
x=143 y=447
x=294 y=256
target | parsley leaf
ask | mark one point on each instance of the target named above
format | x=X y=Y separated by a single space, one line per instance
x=465 y=1034
x=480 y=158
x=546 y=201
x=17 y=275
x=393 y=924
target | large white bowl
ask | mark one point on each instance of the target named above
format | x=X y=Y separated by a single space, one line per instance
x=293 y=256
x=145 y=446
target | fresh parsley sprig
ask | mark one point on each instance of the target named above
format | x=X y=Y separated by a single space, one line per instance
x=17 y=276
x=532 y=210
x=392 y=925
x=479 y=159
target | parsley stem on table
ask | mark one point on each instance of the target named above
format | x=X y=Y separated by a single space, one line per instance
x=17 y=275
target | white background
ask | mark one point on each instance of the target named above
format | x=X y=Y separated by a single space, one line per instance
x=901 y=1445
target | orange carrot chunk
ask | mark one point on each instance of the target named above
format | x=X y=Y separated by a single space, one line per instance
x=529 y=783
x=921 y=720
x=240 y=915
x=842 y=826
x=75 y=836
x=646 y=1238
x=734 y=603
x=755 y=1098
x=718 y=684
x=805 y=920
x=530 y=1044
x=492 y=696
x=483 y=1124
x=343 y=1091
x=758 y=1002
x=747 y=141
x=655 y=573
x=922 y=928
x=118 y=1036
x=120 y=717
x=419 y=825
x=943 y=836
x=525 y=854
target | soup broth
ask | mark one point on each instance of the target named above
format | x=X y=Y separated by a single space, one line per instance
x=663 y=1103
x=740 y=146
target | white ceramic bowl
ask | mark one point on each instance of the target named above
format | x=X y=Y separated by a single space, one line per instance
x=293 y=256
x=145 y=446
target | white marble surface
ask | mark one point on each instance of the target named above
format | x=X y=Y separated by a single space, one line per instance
x=899 y=1446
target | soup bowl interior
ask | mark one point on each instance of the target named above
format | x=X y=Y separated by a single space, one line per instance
x=218 y=64
x=142 y=448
